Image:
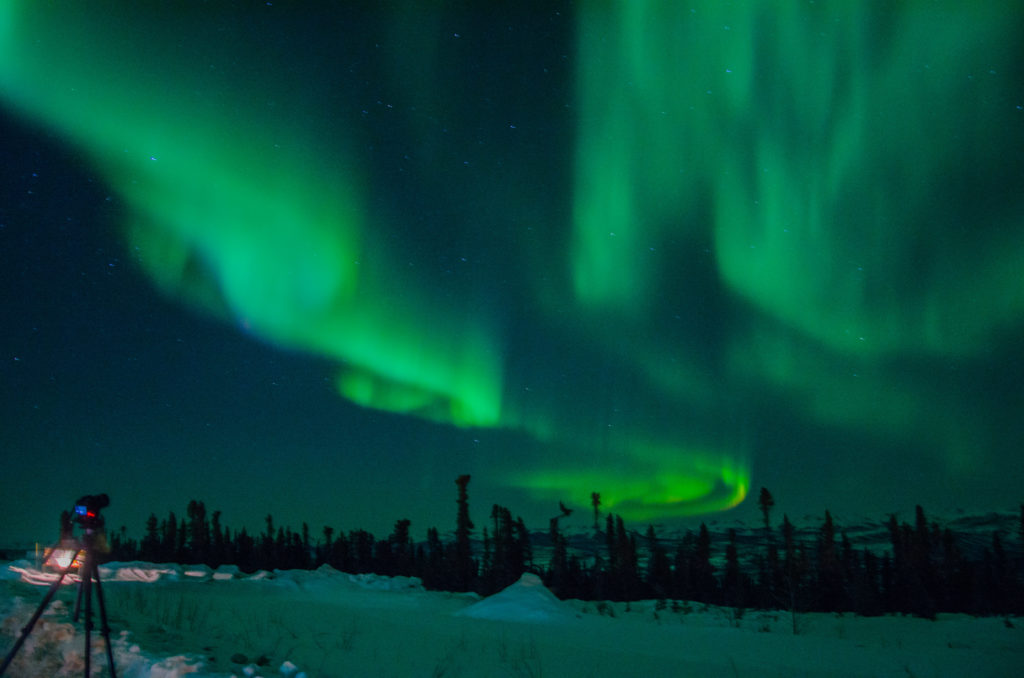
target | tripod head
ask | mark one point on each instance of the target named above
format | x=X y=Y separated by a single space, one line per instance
x=87 y=511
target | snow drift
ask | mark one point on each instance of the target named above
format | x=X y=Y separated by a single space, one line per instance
x=172 y=621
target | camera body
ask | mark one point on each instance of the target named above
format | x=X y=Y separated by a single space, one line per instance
x=87 y=511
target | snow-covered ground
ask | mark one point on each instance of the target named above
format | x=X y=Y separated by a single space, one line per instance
x=172 y=620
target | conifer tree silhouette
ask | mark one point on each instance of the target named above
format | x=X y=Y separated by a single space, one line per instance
x=766 y=502
x=325 y=549
x=217 y=556
x=401 y=548
x=829 y=581
x=558 y=567
x=151 y=542
x=464 y=567
x=705 y=586
x=925 y=572
x=659 y=570
x=732 y=579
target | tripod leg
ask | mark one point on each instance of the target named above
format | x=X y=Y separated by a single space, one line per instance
x=78 y=595
x=105 y=627
x=86 y=581
x=35 y=617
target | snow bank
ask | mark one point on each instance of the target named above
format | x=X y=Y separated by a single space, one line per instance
x=223 y=624
x=326 y=577
x=528 y=600
x=376 y=582
x=150 y=573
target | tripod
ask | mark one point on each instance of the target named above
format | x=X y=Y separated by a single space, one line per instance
x=88 y=574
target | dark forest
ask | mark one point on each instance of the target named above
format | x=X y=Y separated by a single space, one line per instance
x=924 y=571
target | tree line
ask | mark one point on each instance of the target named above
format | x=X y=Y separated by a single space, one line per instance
x=925 y=569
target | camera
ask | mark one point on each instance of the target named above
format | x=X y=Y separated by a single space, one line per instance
x=87 y=510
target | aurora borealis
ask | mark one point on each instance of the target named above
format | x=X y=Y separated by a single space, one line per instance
x=662 y=251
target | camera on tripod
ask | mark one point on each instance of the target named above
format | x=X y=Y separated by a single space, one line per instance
x=87 y=511
x=87 y=514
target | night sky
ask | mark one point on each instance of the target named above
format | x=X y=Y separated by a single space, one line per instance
x=317 y=264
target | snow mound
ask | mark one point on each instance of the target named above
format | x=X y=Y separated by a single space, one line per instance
x=376 y=582
x=227 y=572
x=140 y=572
x=528 y=600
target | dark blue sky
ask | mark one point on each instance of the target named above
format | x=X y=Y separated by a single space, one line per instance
x=319 y=266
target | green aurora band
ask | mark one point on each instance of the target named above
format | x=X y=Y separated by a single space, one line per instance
x=800 y=147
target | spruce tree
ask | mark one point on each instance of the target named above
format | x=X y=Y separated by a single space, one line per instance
x=179 y=547
x=922 y=569
x=401 y=548
x=170 y=538
x=198 y=532
x=217 y=537
x=868 y=598
x=267 y=545
x=848 y=569
x=951 y=574
x=151 y=542
x=506 y=562
x=682 y=567
x=613 y=551
x=1001 y=579
x=361 y=545
x=433 y=572
x=829 y=576
x=305 y=554
x=705 y=586
x=464 y=567
x=487 y=565
x=794 y=568
x=768 y=566
x=659 y=571
x=281 y=550
x=732 y=584
x=384 y=558
x=245 y=551
x=766 y=502
x=325 y=550
x=558 y=568
x=898 y=576
x=628 y=560
x=340 y=558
